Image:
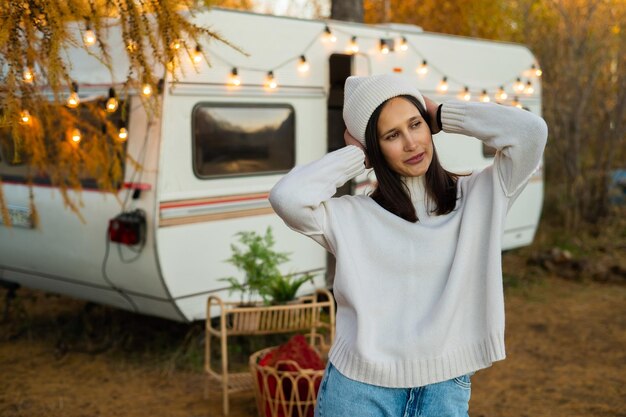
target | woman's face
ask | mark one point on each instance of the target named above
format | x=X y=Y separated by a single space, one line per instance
x=404 y=137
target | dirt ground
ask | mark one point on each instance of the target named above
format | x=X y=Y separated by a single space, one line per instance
x=565 y=338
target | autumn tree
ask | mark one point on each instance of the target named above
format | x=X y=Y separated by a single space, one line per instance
x=39 y=122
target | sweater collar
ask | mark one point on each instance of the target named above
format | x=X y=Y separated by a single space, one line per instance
x=417 y=187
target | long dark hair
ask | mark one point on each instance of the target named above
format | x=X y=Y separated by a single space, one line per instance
x=391 y=193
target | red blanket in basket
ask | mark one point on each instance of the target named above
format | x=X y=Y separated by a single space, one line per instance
x=298 y=350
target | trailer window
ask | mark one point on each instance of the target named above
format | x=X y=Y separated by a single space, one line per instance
x=242 y=139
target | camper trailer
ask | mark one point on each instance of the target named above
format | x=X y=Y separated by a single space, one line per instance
x=223 y=136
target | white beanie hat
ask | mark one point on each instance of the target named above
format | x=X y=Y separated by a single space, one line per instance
x=362 y=95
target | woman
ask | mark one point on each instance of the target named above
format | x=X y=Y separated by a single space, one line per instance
x=418 y=279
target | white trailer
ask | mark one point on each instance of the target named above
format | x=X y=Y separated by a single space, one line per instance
x=215 y=150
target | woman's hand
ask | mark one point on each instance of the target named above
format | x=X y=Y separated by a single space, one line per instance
x=431 y=108
x=350 y=140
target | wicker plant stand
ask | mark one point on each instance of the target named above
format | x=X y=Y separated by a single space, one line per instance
x=284 y=393
x=303 y=314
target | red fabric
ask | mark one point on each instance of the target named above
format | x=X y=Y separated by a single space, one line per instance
x=298 y=350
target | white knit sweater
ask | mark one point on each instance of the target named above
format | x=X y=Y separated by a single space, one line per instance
x=418 y=303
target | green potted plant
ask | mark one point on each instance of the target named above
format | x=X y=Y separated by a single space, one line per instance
x=259 y=262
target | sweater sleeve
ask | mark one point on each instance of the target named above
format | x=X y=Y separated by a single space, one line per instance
x=299 y=197
x=518 y=135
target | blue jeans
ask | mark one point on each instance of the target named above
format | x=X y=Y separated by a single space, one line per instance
x=340 y=396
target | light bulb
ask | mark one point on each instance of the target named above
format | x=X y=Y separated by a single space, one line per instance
x=516 y=102
x=73 y=100
x=404 y=45
x=197 y=54
x=75 y=136
x=423 y=68
x=303 y=65
x=112 y=103
x=443 y=85
x=270 y=81
x=484 y=97
x=518 y=86
x=353 y=47
x=502 y=95
x=233 y=78
x=28 y=76
x=466 y=94
x=535 y=71
x=384 y=48
x=529 y=88
x=123 y=134
x=146 y=90
x=175 y=45
x=89 y=37
x=328 y=35
x=25 y=118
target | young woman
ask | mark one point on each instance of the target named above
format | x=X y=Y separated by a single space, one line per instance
x=418 y=279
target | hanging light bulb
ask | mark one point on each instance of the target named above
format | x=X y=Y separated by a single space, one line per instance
x=443 y=85
x=73 y=100
x=89 y=37
x=112 y=103
x=501 y=95
x=146 y=90
x=535 y=71
x=175 y=45
x=516 y=102
x=328 y=35
x=25 y=118
x=529 y=88
x=270 y=81
x=518 y=86
x=353 y=47
x=233 y=78
x=404 y=45
x=197 y=54
x=466 y=94
x=384 y=48
x=28 y=76
x=75 y=136
x=423 y=68
x=303 y=65
x=122 y=134
x=484 y=97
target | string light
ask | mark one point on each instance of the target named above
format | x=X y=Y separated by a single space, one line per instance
x=466 y=94
x=516 y=102
x=175 y=45
x=518 y=86
x=443 y=85
x=146 y=90
x=328 y=35
x=353 y=47
x=112 y=103
x=303 y=65
x=384 y=48
x=529 y=88
x=484 y=97
x=28 y=76
x=233 y=78
x=536 y=71
x=270 y=81
x=404 y=45
x=75 y=136
x=89 y=37
x=25 y=118
x=501 y=95
x=122 y=134
x=73 y=100
x=423 y=68
x=197 y=54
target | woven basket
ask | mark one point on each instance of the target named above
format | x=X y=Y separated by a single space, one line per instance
x=284 y=393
